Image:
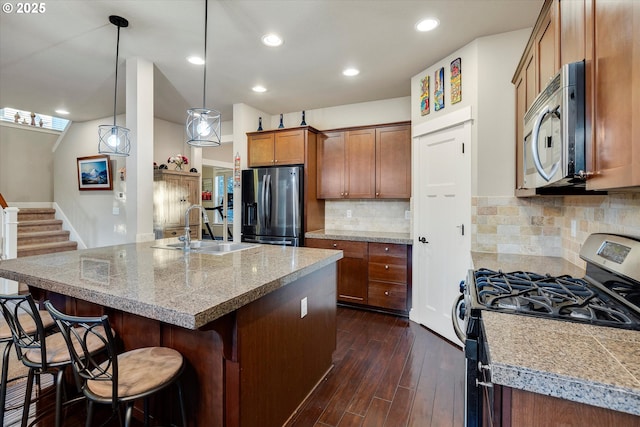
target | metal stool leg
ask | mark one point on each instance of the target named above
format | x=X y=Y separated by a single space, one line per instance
x=4 y=380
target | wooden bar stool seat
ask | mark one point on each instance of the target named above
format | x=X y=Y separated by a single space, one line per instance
x=122 y=378
x=6 y=338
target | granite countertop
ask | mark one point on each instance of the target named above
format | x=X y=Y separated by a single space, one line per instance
x=595 y=365
x=361 y=236
x=183 y=289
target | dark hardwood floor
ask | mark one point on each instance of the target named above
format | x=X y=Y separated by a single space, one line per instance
x=388 y=372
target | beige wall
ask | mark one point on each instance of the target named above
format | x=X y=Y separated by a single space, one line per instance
x=26 y=164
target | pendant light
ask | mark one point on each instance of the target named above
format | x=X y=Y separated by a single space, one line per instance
x=203 y=124
x=114 y=139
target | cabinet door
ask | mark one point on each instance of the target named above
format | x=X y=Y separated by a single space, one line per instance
x=393 y=162
x=572 y=31
x=352 y=268
x=289 y=147
x=331 y=165
x=617 y=95
x=261 y=149
x=191 y=188
x=546 y=53
x=176 y=200
x=360 y=173
x=531 y=86
x=521 y=108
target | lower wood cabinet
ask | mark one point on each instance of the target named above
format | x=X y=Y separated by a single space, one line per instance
x=513 y=407
x=352 y=268
x=388 y=276
x=373 y=275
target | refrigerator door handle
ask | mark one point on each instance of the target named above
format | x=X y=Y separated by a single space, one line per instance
x=295 y=202
x=268 y=199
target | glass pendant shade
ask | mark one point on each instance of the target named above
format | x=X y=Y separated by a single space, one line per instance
x=113 y=140
x=203 y=124
x=203 y=127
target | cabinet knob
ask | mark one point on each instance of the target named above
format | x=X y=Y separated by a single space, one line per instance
x=346 y=194
x=342 y=194
x=386 y=249
x=386 y=293
x=377 y=194
x=335 y=245
x=386 y=267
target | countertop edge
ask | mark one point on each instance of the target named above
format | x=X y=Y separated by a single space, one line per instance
x=357 y=236
x=563 y=387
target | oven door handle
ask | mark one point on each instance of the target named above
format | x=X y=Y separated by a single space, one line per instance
x=534 y=145
x=462 y=336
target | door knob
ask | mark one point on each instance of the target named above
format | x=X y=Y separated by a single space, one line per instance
x=422 y=240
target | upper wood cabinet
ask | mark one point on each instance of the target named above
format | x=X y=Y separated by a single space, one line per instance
x=613 y=88
x=365 y=163
x=277 y=147
x=173 y=193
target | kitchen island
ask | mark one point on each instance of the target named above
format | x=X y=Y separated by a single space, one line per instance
x=576 y=371
x=257 y=326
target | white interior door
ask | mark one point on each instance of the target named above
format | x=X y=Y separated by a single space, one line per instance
x=442 y=225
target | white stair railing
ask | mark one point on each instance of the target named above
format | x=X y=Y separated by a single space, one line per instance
x=9 y=233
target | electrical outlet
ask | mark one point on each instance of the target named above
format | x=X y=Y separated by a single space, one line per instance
x=407 y=214
x=348 y=213
x=303 y=307
x=116 y=210
x=573 y=228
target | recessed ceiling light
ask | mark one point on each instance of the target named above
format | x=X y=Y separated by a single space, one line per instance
x=272 y=40
x=196 y=60
x=350 y=72
x=427 y=24
x=63 y=112
x=259 y=89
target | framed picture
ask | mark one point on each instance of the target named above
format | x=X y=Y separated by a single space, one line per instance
x=94 y=173
x=456 y=81
x=438 y=94
x=425 y=108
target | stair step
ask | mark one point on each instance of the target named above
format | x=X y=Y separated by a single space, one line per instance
x=31 y=214
x=46 y=248
x=39 y=225
x=30 y=238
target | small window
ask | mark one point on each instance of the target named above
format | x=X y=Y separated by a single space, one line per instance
x=39 y=120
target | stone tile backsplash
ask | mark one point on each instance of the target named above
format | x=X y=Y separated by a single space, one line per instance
x=367 y=215
x=550 y=226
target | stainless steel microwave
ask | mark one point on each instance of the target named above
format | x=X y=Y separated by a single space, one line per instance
x=554 y=132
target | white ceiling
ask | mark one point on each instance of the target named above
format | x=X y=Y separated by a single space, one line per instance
x=65 y=57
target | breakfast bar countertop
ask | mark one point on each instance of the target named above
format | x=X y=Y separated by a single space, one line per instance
x=183 y=289
x=595 y=365
x=361 y=236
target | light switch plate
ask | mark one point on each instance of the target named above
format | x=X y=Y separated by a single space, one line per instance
x=116 y=211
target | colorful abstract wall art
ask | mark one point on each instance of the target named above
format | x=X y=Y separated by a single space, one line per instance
x=456 y=81
x=425 y=107
x=438 y=93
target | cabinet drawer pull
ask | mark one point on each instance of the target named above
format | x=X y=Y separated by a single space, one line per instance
x=335 y=245
x=386 y=249
x=386 y=267
x=386 y=293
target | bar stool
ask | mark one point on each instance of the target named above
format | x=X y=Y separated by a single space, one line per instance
x=122 y=378
x=7 y=338
x=42 y=354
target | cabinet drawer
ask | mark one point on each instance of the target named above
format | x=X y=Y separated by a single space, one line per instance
x=388 y=253
x=388 y=295
x=179 y=231
x=388 y=272
x=351 y=249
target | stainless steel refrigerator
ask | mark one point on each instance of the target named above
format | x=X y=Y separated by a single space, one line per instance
x=272 y=205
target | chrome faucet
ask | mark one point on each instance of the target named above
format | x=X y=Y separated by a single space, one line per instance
x=187 y=230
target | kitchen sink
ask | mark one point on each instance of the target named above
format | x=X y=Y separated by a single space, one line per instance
x=206 y=247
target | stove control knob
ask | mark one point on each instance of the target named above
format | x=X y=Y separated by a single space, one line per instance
x=462 y=286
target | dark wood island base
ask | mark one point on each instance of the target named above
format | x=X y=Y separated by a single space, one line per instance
x=253 y=366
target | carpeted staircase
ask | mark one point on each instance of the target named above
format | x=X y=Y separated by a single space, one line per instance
x=40 y=233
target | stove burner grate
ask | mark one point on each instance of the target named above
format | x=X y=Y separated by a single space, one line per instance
x=562 y=297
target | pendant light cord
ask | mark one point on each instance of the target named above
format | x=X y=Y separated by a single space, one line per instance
x=115 y=90
x=204 y=89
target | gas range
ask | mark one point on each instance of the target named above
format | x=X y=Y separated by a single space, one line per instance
x=608 y=295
